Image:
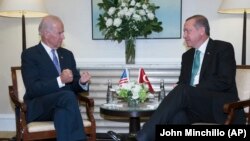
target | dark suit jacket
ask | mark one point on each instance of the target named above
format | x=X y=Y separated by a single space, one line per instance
x=39 y=74
x=217 y=74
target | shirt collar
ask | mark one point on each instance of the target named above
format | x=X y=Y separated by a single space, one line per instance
x=47 y=48
x=203 y=47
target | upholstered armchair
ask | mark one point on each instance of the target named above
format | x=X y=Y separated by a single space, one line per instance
x=42 y=129
x=242 y=82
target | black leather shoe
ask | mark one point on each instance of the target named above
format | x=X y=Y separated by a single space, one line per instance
x=132 y=139
x=114 y=136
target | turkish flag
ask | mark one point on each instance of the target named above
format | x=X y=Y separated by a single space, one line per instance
x=142 y=78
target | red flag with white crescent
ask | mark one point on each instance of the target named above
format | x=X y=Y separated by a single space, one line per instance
x=142 y=78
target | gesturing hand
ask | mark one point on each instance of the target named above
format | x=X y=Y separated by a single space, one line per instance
x=85 y=77
x=66 y=76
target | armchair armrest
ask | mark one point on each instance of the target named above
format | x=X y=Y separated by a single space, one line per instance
x=15 y=100
x=230 y=108
x=89 y=104
x=88 y=100
x=20 y=109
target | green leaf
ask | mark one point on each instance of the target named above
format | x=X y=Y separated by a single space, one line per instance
x=129 y=27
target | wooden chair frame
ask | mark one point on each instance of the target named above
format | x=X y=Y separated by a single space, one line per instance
x=230 y=108
x=22 y=132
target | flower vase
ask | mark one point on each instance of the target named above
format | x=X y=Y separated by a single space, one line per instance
x=132 y=103
x=130 y=50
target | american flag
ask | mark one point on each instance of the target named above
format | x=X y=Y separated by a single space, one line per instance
x=124 y=77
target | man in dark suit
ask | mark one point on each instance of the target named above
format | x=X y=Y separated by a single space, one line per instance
x=198 y=96
x=51 y=89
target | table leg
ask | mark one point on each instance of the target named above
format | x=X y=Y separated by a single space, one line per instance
x=134 y=125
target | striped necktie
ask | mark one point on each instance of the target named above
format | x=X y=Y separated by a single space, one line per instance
x=55 y=61
x=196 y=66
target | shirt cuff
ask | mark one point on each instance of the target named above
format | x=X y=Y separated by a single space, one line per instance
x=59 y=82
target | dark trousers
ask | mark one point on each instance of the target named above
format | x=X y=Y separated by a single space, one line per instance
x=183 y=105
x=62 y=108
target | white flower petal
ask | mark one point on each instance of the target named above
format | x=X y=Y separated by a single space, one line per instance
x=127 y=13
x=109 y=22
x=111 y=11
x=117 y=22
x=151 y=16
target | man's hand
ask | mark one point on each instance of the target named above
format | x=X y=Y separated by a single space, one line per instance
x=66 y=76
x=85 y=77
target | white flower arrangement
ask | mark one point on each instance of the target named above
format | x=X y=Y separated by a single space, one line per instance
x=133 y=90
x=125 y=19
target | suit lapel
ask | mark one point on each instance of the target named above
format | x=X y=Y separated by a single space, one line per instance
x=46 y=58
x=207 y=57
x=190 y=63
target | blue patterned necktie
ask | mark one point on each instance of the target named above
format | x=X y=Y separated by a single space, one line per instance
x=55 y=61
x=196 y=66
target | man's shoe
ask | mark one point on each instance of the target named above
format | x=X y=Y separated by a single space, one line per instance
x=132 y=139
x=114 y=136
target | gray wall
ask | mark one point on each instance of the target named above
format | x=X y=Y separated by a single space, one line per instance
x=77 y=19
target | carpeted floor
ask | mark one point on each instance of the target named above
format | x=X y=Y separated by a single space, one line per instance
x=9 y=136
x=6 y=135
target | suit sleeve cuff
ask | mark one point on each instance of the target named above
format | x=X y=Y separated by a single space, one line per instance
x=84 y=86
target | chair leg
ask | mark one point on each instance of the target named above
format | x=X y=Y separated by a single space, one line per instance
x=91 y=137
x=13 y=139
x=18 y=136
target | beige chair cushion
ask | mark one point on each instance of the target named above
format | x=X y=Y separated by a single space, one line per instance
x=21 y=88
x=242 y=82
x=86 y=123
x=48 y=125
x=41 y=126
